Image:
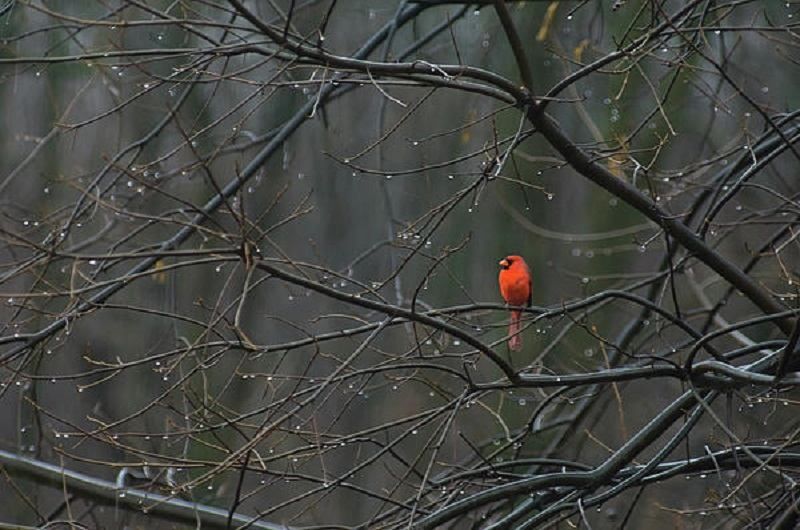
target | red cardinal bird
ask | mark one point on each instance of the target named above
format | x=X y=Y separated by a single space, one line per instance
x=515 y=286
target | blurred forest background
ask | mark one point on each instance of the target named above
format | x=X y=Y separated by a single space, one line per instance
x=249 y=257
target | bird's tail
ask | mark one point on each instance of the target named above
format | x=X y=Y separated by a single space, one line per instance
x=515 y=342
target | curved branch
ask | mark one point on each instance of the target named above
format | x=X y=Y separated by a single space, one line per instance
x=393 y=311
x=106 y=492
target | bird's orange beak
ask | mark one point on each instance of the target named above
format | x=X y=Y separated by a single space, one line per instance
x=503 y=263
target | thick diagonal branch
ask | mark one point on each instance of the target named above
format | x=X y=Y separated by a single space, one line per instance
x=580 y=161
